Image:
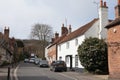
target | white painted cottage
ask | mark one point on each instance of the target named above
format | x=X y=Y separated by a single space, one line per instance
x=67 y=47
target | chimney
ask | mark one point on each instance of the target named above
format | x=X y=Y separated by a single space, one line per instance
x=64 y=30
x=117 y=10
x=6 y=33
x=52 y=40
x=70 y=29
x=13 y=40
x=103 y=20
x=56 y=35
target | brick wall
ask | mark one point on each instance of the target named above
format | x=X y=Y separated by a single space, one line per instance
x=114 y=51
x=52 y=53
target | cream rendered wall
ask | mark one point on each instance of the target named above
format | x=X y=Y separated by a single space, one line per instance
x=103 y=20
x=72 y=50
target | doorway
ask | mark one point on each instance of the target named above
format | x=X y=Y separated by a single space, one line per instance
x=70 y=60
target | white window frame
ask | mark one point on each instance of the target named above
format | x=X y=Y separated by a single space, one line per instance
x=76 y=42
x=67 y=45
x=59 y=47
x=76 y=60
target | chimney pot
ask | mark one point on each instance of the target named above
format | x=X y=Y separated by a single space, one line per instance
x=52 y=40
x=101 y=3
x=117 y=10
x=105 y=4
x=56 y=35
x=118 y=2
x=62 y=25
x=70 y=28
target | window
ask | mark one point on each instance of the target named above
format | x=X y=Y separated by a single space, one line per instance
x=67 y=45
x=76 y=60
x=67 y=59
x=76 y=42
x=59 y=47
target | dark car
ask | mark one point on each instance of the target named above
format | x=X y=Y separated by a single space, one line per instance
x=58 y=66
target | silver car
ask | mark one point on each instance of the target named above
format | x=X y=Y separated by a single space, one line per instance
x=32 y=60
x=37 y=60
x=43 y=63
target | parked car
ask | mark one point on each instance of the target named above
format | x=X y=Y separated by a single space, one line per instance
x=26 y=60
x=32 y=60
x=58 y=66
x=43 y=63
x=37 y=60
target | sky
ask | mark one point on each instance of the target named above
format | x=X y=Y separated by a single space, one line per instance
x=21 y=15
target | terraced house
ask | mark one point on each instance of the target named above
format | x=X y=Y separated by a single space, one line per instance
x=66 y=48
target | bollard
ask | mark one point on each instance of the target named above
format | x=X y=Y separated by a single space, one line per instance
x=8 y=77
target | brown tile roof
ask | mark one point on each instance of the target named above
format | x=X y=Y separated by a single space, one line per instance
x=113 y=23
x=57 y=40
x=78 y=32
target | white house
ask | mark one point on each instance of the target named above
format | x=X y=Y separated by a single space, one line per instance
x=67 y=47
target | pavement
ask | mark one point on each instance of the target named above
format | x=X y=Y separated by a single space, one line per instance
x=86 y=76
x=77 y=75
x=4 y=73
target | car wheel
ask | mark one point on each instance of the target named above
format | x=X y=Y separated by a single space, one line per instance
x=65 y=70
x=50 y=69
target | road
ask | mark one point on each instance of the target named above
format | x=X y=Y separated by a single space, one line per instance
x=29 y=71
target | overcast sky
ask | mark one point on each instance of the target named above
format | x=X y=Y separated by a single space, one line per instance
x=21 y=15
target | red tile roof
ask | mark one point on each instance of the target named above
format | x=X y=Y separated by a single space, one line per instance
x=57 y=40
x=78 y=32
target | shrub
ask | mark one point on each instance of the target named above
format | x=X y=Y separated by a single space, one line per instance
x=5 y=63
x=93 y=55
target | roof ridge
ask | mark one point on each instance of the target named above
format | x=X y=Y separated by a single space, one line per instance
x=79 y=31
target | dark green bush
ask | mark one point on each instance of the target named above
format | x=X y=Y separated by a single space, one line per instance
x=93 y=55
x=5 y=63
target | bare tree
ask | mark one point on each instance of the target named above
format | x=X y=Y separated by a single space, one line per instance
x=44 y=33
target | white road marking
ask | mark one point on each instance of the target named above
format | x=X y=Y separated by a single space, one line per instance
x=15 y=73
x=67 y=76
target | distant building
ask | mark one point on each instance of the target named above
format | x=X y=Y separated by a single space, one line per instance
x=113 y=39
x=6 y=46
